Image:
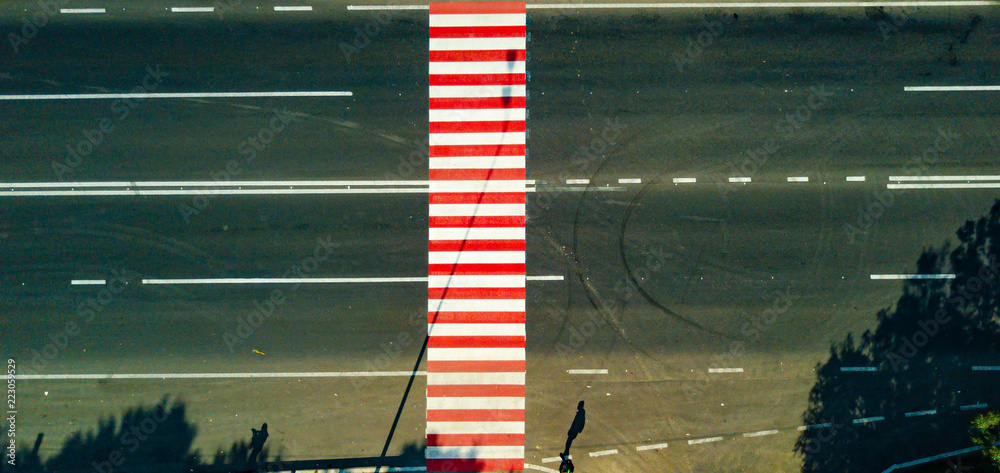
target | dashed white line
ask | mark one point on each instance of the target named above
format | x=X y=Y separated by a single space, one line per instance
x=192 y=9
x=630 y=181
x=587 y=371
x=87 y=282
x=986 y=368
x=577 y=181
x=657 y=446
x=293 y=8
x=912 y=276
x=685 y=180
x=546 y=278
x=725 y=370
x=328 y=374
x=868 y=420
x=798 y=178
x=189 y=281
x=179 y=95
x=814 y=426
x=855 y=178
x=554 y=459
x=857 y=368
x=602 y=453
x=81 y=11
x=921 y=413
x=704 y=440
x=740 y=179
x=951 y=88
x=760 y=433
x=981 y=405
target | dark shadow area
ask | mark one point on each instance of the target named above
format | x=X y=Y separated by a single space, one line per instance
x=579 y=421
x=910 y=390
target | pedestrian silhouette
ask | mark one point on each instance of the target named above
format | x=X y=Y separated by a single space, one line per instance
x=577 y=427
x=257 y=441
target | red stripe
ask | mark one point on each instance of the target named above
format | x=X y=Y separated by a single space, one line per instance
x=470 y=8
x=479 y=366
x=476 y=150
x=475 y=415
x=468 y=440
x=518 y=31
x=476 y=79
x=476 y=464
x=502 y=174
x=477 y=127
x=489 y=341
x=502 y=269
x=495 y=55
x=476 y=221
x=476 y=103
x=476 y=198
x=476 y=245
x=475 y=390
x=475 y=317
x=475 y=293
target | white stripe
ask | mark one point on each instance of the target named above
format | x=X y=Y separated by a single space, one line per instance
x=966 y=407
x=552 y=460
x=476 y=114
x=160 y=193
x=476 y=233
x=855 y=178
x=442 y=379
x=984 y=185
x=475 y=354
x=705 y=440
x=475 y=330
x=71 y=11
x=500 y=19
x=630 y=181
x=476 y=91
x=477 y=67
x=468 y=210
x=952 y=88
x=87 y=282
x=478 y=451
x=760 y=433
x=179 y=95
x=455 y=139
x=867 y=420
x=577 y=181
x=921 y=413
x=478 y=162
x=293 y=8
x=153 y=281
x=685 y=180
x=546 y=278
x=912 y=276
x=475 y=257
x=476 y=44
x=945 y=178
x=475 y=402
x=475 y=427
x=798 y=179
x=650 y=447
x=602 y=453
x=320 y=374
x=986 y=368
x=192 y=9
x=504 y=185
x=587 y=371
x=140 y=184
x=475 y=305
x=459 y=280
x=725 y=370
x=739 y=179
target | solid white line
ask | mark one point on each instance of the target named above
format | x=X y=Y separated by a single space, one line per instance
x=798 y=178
x=739 y=179
x=650 y=447
x=951 y=88
x=530 y=6
x=161 y=281
x=630 y=181
x=912 y=276
x=60 y=185
x=546 y=278
x=760 y=433
x=577 y=181
x=685 y=180
x=705 y=440
x=178 y=95
x=87 y=282
x=725 y=370
x=330 y=374
x=945 y=178
x=984 y=185
x=587 y=371
x=855 y=178
x=293 y=8
x=176 y=192
x=387 y=7
x=192 y=9
x=70 y=11
x=602 y=453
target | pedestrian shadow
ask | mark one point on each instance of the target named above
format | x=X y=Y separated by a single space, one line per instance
x=579 y=421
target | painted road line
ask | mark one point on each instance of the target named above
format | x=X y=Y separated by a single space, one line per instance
x=868 y=420
x=986 y=368
x=587 y=371
x=704 y=440
x=798 y=178
x=952 y=88
x=814 y=426
x=114 y=184
x=921 y=413
x=857 y=368
x=855 y=178
x=577 y=181
x=740 y=179
x=546 y=278
x=192 y=9
x=87 y=282
x=967 y=407
x=911 y=276
x=189 y=281
x=321 y=374
x=81 y=11
x=944 y=178
x=901 y=466
x=699 y=5
x=971 y=185
x=554 y=459
x=725 y=370
x=176 y=192
x=630 y=181
x=528 y=466
x=684 y=180
x=760 y=433
x=613 y=451
x=293 y=8
x=179 y=95
x=657 y=446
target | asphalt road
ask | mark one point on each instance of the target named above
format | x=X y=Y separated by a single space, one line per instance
x=810 y=93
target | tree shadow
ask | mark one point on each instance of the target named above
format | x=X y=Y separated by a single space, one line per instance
x=907 y=389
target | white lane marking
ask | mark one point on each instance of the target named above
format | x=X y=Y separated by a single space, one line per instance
x=613 y=451
x=814 y=426
x=176 y=192
x=971 y=185
x=740 y=179
x=472 y=305
x=476 y=354
x=454 y=283
x=630 y=181
x=192 y=9
x=60 y=185
x=539 y=468
x=704 y=440
x=476 y=91
x=831 y=4
x=951 y=88
x=981 y=405
x=867 y=420
x=553 y=459
x=475 y=403
x=685 y=180
x=318 y=374
x=855 y=178
x=912 y=276
x=475 y=427
x=546 y=278
x=387 y=7
x=476 y=330
x=798 y=178
x=857 y=368
x=587 y=371
x=477 y=451
x=87 y=282
x=760 y=433
x=986 y=368
x=84 y=11
x=477 y=67
x=577 y=181
x=478 y=19
x=650 y=447
x=945 y=178
x=459 y=139
x=179 y=95
x=725 y=370
x=921 y=413
x=293 y=8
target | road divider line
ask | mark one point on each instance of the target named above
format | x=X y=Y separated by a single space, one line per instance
x=740 y=179
x=969 y=185
x=318 y=374
x=814 y=426
x=179 y=95
x=725 y=370
x=293 y=8
x=81 y=11
x=868 y=420
x=613 y=451
x=857 y=368
x=920 y=413
x=911 y=276
x=192 y=9
x=952 y=88
x=87 y=282
x=986 y=368
x=760 y=433
x=704 y=440
x=190 y=281
x=798 y=178
x=945 y=178
x=630 y=181
x=855 y=178
x=587 y=371
x=657 y=446
x=577 y=181
x=967 y=407
x=685 y=180
x=554 y=459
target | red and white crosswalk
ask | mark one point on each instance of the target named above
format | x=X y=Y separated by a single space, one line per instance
x=476 y=263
